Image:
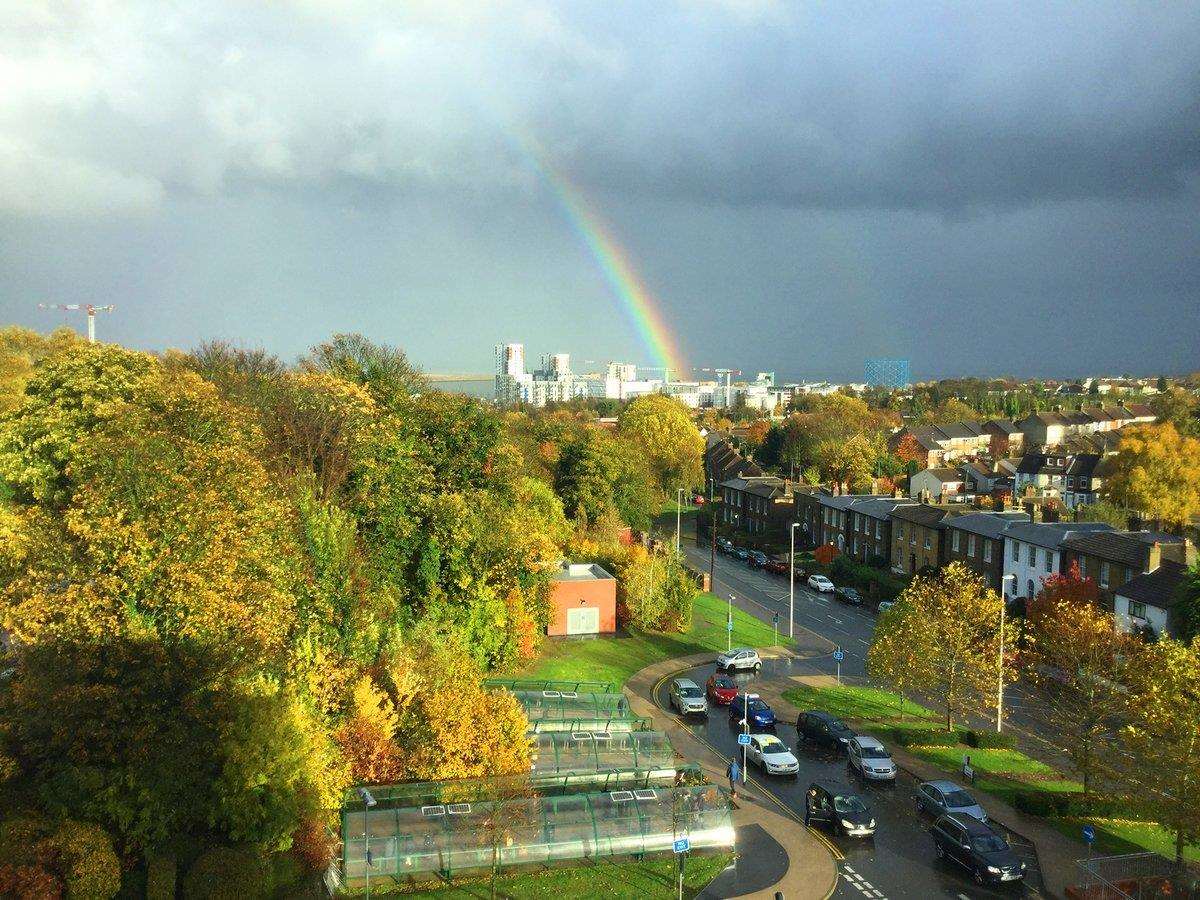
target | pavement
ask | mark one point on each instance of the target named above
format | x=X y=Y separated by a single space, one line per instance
x=810 y=870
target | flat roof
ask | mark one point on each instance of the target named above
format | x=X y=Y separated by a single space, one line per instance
x=568 y=571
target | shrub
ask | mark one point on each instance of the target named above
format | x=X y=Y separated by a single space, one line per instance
x=925 y=737
x=1068 y=804
x=988 y=740
x=160 y=877
x=28 y=883
x=226 y=873
x=826 y=554
x=88 y=862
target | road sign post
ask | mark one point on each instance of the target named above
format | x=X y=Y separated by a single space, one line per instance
x=743 y=739
x=775 y=625
x=681 y=847
x=839 y=654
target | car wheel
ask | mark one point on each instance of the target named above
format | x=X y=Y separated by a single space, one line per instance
x=940 y=851
x=979 y=879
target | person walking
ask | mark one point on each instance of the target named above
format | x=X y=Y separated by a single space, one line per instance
x=734 y=772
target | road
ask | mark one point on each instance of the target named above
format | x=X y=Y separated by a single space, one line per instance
x=898 y=861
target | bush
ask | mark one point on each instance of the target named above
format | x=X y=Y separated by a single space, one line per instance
x=1068 y=804
x=925 y=737
x=988 y=740
x=160 y=877
x=89 y=864
x=226 y=873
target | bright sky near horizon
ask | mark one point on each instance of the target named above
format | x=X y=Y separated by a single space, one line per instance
x=983 y=188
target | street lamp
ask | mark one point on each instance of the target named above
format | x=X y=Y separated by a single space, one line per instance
x=369 y=803
x=729 y=627
x=1000 y=662
x=678 y=510
x=792 y=584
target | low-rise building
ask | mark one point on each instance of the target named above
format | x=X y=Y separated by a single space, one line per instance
x=934 y=485
x=836 y=521
x=976 y=540
x=1148 y=600
x=917 y=537
x=870 y=539
x=1081 y=482
x=583 y=600
x=1032 y=553
x=760 y=505
x=1114 y=557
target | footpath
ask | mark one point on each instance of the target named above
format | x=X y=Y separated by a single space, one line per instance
x=1056 y=852
x=811 y=873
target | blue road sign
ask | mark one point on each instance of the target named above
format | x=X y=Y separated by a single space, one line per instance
x=1089 y=833
x=729 y=625
x=683 y=845
x=839 y=654
x=775 y=619
x=743 y=739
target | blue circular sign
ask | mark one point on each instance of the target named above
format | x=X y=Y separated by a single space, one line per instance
x=839 y=654
x=1089 y=833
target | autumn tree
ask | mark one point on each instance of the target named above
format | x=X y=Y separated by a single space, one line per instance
x=384 y=371
x=1180 y=408
x=661 y=428
x=20 y=351
x=942 y=639
x=1187 y=604
x=1161 y=736
x=1103 y=511
x=848 y=463
x=655 y=592
x=908 y=449
x=1155 y=471
x=599 y=472
x=1076 y=656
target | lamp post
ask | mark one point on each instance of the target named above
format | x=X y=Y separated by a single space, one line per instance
x=729 y=626
x=369 y=803
x=678 y=511
x=792 y=584
x=1000 y=661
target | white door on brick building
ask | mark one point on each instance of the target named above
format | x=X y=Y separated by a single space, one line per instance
x=585 y=620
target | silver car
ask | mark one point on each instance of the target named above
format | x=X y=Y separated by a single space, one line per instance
x=939 y=798
x=688 y=697
x=870 y=759
x=739 y=658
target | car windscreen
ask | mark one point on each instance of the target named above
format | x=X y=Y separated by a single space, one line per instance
x=874 y=753
x=837 y=725
x=756 y=705
x=775 y=749
x=989 y=843
x=850 y=803
x=724 y=682
x=690 y=692
x=959 y=799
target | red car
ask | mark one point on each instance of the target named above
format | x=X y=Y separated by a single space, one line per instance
x=721 y=689
x=776 y=567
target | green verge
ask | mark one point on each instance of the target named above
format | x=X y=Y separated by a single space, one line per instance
x=1001 y=773
x=624 y=881
x=616 y=658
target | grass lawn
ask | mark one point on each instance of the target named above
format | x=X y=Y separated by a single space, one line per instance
x=866 y=704
x=616 y=658
x=649 y=878
x=1115 y=836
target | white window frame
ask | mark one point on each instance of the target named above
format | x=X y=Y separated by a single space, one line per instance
x=970 y=545
x=954 y=541
x=987 y=551
x=1104 y=573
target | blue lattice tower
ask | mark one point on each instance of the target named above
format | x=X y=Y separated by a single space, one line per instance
x=890 y=373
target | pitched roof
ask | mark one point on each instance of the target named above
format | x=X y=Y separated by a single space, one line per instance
x=1117 y=546
x=1004 y=426
x=879 y=507
x=845 y=501
x=1083 y=464
x=1050 y=534
x=989 y=524
x=961 y=430
x=1155 y=588
x=1042 y=464
x=921 y=514
x=943 y=474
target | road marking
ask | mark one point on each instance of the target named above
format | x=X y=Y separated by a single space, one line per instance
x=850 y=870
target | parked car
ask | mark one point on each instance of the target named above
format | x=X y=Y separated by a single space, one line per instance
x=756 y=558
x=741 y=553
x=751 y=706
x=870 y=759
x=940 y=798
x=840 y=808
x=820 y=583
x=848 y=595
x=776 y=566
x=687 y=697
x=739 y=659
x=885 y=605
x=721 y=689
x=972 y=844
x=724 y=545
x=823 y=729
x=772 y=754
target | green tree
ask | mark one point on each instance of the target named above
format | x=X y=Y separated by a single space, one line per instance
x=1162 y=738
x=1187 y=604
x=1179 y=407
x=942 y=639
x=1103 y=511
x=656 y=592
x=662 y=429
x=597 y=473
x=384 y=371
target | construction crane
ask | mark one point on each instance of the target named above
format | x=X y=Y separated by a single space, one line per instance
x=89 y=308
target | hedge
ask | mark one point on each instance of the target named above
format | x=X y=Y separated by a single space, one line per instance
x=925 y=737
x=988 y=740
x=1068 y=804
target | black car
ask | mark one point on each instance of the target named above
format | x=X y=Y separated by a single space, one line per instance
x=835 y=805
x=823 y=729
x=756 y=558
x=849 y=595
x=971 y=843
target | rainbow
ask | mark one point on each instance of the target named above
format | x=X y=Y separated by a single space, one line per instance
x=639 y=305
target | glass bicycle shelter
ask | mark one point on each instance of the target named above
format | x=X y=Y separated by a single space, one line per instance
x=571 y=705
x=583 y=755
x=446 y=839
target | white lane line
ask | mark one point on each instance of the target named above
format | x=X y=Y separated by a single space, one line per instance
x=850 y=870
x=868 y=644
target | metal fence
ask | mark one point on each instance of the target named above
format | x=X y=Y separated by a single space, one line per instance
x=1134 y=876
x=538 y=684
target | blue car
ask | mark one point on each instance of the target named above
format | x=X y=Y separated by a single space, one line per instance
x=761 y=715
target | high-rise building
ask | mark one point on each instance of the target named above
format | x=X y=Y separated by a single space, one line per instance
x=889 y=373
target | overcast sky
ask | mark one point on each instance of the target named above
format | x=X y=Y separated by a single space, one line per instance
x=984 y=188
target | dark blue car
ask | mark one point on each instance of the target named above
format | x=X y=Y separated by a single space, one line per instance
x=761 y=715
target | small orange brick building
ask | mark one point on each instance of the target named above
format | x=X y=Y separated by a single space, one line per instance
x=583 y=598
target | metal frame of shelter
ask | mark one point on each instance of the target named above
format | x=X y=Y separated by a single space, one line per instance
x=593 y=724
x=536 y=684
x=571 y=705
x=446 y=839
x=589 y=753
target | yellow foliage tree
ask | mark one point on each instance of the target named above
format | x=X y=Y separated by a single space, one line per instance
x=663 y=430
x=1156 y=471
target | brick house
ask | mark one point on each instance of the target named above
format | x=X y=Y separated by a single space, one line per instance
x=583 y=599
x=870 y=535
x=917 y=537
x=723 y=461
x=806 y=513
x=977 y=541
x=836 y=522
x=761 y=505
x=1115 y=557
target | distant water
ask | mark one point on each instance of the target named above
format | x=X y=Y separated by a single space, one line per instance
x=485 y=388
